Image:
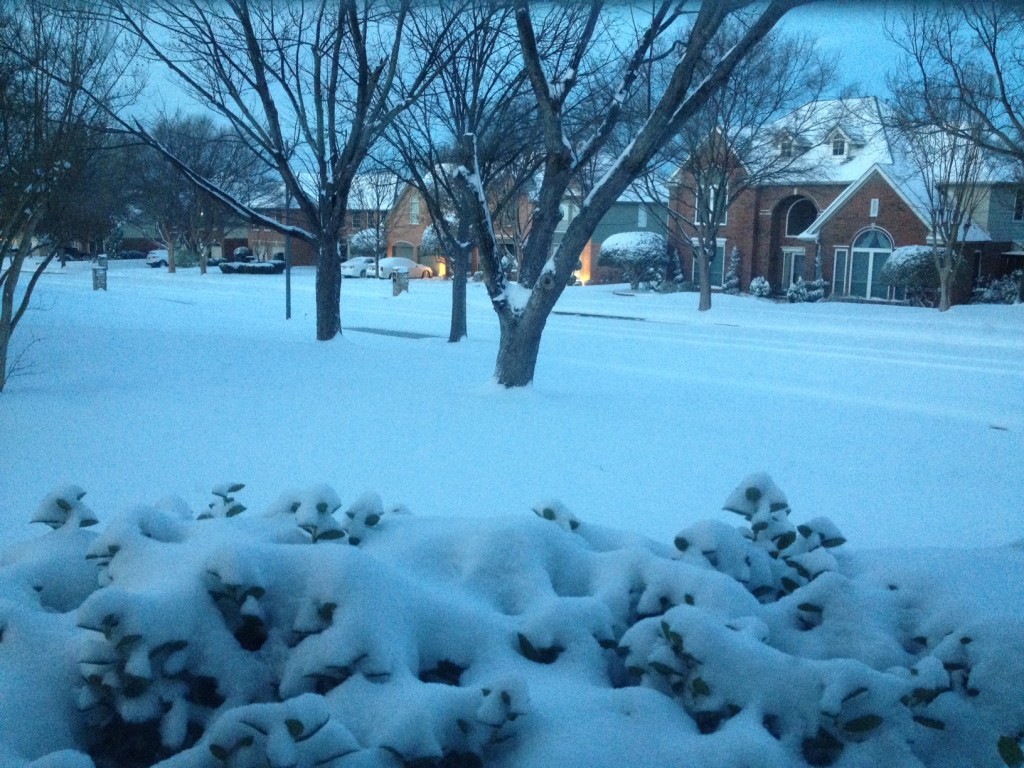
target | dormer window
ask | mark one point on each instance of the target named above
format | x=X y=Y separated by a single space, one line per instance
x=838 y=146
x=786 y=148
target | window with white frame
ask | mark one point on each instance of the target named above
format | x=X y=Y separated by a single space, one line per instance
x=800 y=216
x=874 y=208
x=713 y=197
x=838 y=146
x=786 y=148
x=793 y=265
x=641 y=216
x=839 y=270
x=414 y=211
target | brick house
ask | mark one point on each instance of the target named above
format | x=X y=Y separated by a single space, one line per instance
x=852 y=209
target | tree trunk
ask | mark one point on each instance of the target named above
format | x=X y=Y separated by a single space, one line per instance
x=330 y=251
x=944 y=275
x=704 y=269
x=171 y=267
x=518 y=348
x=5 y=340
x=460 y=272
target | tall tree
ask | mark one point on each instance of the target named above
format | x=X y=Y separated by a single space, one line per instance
x=310 y=86
x=480 y=92
x=967 y=59
x=59 y=76
x=174 y=211
x=944 y=146
x=523 y=307
x=732 y=142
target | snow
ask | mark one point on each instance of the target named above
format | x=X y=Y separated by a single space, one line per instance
x=561 y=552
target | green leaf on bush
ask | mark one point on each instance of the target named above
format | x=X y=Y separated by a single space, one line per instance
x=805 y=531
x=682 y=543
x=700 y=687
x=372 y=520
x=219 y=752
x=235 y=509
x=326 y=612
x=835 y=541
x=930 y=722
x=753 y=494
x=295 y=727
x=788 y=584
x=663 y=669
x=783 y=540
x=322 y=507
x=810 y=608
x=854 y=693
x=63 y=504
x=548 y=513
x=863 y=724
x=778 y=506
x=1010 y=751
x=334 y=533
x=235 y=487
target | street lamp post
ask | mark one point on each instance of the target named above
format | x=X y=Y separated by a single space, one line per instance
x=287 y=259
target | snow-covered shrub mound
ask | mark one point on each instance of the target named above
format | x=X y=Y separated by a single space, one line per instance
x=760 y=287
x=331 y=633
x=368 y=242
x=642 y=256
x=912 y=268
x=1003 y=290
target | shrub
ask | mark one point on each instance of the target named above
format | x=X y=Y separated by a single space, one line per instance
x=731 y=284
x=642 y=256
x=912 y=267
x=1001 y=290
x=797 y=292
x=760 y=286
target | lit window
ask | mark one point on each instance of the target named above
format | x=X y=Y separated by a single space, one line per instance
x=838 y=146
x=874 y=207
x=414 y=212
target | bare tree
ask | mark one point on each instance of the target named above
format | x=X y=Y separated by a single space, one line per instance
x=732 y=143
x=49 y=136
x=944 y=149
x=177 y=213
x=967 y=58
x=481 y=93
x=523 y=307
x=310 y=86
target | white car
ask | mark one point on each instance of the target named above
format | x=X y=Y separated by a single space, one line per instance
x=391 y=263
x=358 y=266
x=157 y=258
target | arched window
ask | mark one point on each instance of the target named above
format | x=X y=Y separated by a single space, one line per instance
x=870 y=251
x=800 y=216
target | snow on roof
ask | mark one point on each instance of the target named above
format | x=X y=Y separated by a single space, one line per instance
x=814 y=125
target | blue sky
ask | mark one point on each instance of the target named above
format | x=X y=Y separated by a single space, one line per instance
x=856 y=30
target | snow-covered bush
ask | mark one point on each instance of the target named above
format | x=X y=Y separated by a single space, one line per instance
x=797 y=292
x=759 y=286
x=731 y=283
x=232 y=640
x=912 y=268
x=1001 y=290
x=432 y=244
x=642 y=256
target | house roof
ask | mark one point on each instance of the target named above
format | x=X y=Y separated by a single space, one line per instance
x=813 y=125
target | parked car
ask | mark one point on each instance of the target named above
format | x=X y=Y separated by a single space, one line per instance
x=157 y=258
x=359 y=266
x=131 y=255
x=391 y=263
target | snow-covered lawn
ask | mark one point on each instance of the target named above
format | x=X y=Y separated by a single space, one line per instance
x=625 y=626
x=903 y=425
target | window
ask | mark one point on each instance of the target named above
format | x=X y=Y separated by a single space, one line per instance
x=869 y=253
x=800 y=216
x=713 y=201
x=839 y=272
x=793 y=265
x=1018 y=204
x=786 y=148
x=641 y=217
x=838 y=146
x=874 y=207
x=414 y=211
